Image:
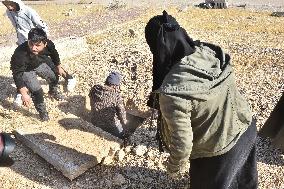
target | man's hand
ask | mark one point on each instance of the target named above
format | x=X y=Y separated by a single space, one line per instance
x=61 y=71
x=26 y=100
x=25 y=97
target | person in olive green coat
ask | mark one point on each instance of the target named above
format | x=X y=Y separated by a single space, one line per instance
x=274 y=126
x=203 y=116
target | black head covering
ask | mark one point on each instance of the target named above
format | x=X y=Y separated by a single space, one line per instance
x=168 y=43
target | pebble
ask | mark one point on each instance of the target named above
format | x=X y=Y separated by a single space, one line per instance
x=140 y=150
x=118 y=180
x=120 y=155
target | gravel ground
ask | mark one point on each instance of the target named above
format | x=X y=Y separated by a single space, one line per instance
x=251 y=37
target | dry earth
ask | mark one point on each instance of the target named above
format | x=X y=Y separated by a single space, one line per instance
x=252 y=37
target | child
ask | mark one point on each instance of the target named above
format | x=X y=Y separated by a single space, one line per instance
x=107 y=109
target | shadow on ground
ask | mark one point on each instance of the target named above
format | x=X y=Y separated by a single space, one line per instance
x=7 y=90
x=268 y=154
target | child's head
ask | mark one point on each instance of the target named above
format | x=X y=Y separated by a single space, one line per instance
x=113 y=79
x=11 y=6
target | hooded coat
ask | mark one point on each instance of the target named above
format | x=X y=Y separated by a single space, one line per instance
x=203 y=113
x=24 y=19
x=107 y=110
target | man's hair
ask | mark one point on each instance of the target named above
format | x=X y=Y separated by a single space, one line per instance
x=37 y=35
x=7 y=3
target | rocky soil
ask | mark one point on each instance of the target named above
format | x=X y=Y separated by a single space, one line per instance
x=254 y=41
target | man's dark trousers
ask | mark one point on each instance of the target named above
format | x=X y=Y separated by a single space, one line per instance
x=32 y=83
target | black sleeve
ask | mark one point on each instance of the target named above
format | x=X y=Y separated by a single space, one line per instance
x=53 y=52
x=18 y=67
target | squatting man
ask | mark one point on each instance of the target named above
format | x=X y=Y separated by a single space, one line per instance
x=24 y=18
x=36 y=57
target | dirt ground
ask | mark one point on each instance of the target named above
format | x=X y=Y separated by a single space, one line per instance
x=250 y=36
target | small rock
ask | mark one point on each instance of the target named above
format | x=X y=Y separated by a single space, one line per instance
x=140 y=150
x=108 y=183
x=112 y=151
x=120 y=155
x=149 y=180
x=151 y=154
x=132 y=33
x=118 y=180
x=108 y=160
x=127 y=149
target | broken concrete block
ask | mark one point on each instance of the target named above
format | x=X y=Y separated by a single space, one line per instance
x=72 y=148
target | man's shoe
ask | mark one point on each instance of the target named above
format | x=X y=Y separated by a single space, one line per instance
x=56 y=94
x=43 y=116
x=18 y=100
x=71 y=83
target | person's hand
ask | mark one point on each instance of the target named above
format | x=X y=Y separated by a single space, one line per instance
x=176 y=171
x=61 y=71
x=25 y=97
x=26 y=100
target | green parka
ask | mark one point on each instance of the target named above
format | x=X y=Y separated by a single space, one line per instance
x=203 y=113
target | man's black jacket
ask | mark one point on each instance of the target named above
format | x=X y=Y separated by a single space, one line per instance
x=23 y=60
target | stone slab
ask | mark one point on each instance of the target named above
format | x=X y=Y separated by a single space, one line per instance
x=71 y=146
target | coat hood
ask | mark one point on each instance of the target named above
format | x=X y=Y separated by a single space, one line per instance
x=100 y=92
x=199 y=74
x=19 y=3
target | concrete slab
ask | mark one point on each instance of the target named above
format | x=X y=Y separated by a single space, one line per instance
x=71 y=147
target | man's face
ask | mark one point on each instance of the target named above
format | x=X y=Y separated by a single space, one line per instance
x=36 y=48
x=11 y=6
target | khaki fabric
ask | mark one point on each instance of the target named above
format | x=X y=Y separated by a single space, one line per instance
x=203 y=113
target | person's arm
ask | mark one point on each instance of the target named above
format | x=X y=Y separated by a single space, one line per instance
x=18 y=67
x=12 y=19
x=176 y=114
x=121 y=110
x=38 y=22
x=55 y=58
x=53 y=52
